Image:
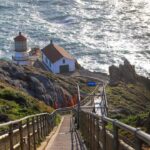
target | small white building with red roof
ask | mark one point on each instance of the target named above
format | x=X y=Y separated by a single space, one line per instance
x=21 y=56
x=57 y=59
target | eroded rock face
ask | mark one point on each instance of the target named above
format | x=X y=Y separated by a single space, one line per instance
x=115 y=76
x=125 y=73
x=35 y=83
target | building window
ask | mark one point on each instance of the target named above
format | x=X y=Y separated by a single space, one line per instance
x=63 y=61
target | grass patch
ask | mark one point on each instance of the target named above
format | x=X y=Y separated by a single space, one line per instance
x=15 y=104
x=133 y=98
x=129 y=103
x=57 y=119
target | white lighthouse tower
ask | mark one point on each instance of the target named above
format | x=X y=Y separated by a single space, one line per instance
x=21 y=56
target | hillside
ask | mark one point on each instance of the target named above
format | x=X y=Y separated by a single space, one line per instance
x=129 y=96
x=28 y=90
x=16 y=104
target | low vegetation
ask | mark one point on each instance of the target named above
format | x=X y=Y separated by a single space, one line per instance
x=130 y=104
x=16 y=104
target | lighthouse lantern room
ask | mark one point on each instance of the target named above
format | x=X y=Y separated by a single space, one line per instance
x=21 y=56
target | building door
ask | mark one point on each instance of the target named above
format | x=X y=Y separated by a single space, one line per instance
x=64 y=68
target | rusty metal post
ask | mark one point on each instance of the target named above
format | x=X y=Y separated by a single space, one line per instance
x=11 y=136
x=28 y=132
x=21 y=135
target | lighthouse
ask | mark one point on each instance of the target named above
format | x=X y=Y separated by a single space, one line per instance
x=21 y=56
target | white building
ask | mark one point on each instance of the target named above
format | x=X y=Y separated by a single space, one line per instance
x=57 y=59
x=21 y=56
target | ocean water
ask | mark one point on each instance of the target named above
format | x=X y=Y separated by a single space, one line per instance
x=98 y=33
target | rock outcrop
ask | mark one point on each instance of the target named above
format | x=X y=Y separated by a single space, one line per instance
x=125 y=73
x=38 y=83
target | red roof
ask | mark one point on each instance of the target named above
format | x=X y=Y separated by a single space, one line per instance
x=55 y=52
x=20 y=37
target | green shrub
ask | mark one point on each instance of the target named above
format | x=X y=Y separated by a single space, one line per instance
x=17 y=104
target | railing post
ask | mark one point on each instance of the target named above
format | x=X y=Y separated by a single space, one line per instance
x=88 y=130
x=97 y=131
x=78 y=118
x=45 y=125
x=33 y=127
x=21 y=135
x=41 y=126
x=94 y=133
x=46 y=121
x=115 y=136
x=38 y=130
x=85 y=125
x=92 y=130
x=52 y=121
x=11 y=136
x=138 y=142
x=103 y=133
x=28 y=132
x=91 y=142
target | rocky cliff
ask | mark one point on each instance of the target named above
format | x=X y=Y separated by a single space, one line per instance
x=54 y=90
x=125 y=73
x=129 y=96
x=28 y=90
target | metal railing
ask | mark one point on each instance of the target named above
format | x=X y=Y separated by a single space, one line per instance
x=28 y=132
x=89 y=97
x=97 y=136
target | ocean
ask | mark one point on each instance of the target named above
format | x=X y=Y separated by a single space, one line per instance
x=98 y=33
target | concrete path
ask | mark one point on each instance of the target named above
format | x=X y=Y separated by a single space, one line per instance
x=65 y=138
